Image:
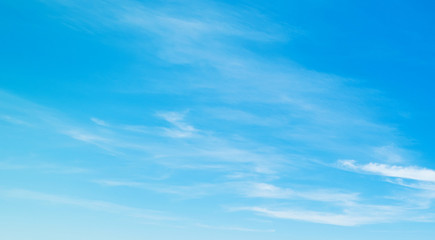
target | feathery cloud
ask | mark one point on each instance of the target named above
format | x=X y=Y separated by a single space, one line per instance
x=408 y=172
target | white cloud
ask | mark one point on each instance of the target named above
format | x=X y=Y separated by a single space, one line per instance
x=242 y=117
x=367 y=216
x=84 y=203
x=265 y=190
x=182 y=129
x=246 y=189
x=113 y=183
x=408 y=172
x=43 y=167
x=390 y=154
x=99 y=122
x=85 y=136
x=234 y=228
x=14 y=120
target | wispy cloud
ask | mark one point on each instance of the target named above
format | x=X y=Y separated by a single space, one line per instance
x=245 y=189
x=265 y=190
x=244 y=117
x=85 y=137
x=181 y=128
x=43 y=167
x=84 y=203
x=184 y=191
x=419 y=182
x=113 y=183
x=234 y=228
x=99 y=122
x=407 y=172
x=350 y=218
x=14 y=120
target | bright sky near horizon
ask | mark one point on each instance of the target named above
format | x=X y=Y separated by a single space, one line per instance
x=133 y=119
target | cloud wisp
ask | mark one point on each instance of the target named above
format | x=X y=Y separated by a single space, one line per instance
x=88 y=204
x=234 y=228
x=357 y=216
x=406 y=172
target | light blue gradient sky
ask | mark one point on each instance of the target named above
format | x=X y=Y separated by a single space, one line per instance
x=216 y=120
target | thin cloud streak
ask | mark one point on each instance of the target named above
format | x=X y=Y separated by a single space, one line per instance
x=347 y=219
x=84 y=203
x=265 y=190
x=43 y=167
x=408 y=172
x=245 y=189
x=235 y=228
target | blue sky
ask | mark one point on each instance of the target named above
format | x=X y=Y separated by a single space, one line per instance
x=216 y=120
